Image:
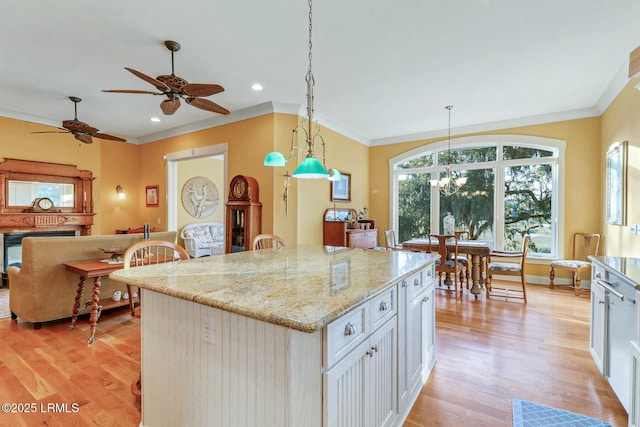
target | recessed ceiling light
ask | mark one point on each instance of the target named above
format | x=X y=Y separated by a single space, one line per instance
x=257 y=87
x=155 y=119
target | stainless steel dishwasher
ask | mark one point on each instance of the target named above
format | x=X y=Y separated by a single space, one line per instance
x=619 y=300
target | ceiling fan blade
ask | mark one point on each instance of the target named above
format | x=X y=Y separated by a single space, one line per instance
x=146 y=92
x=157 y=83
x=201 y=89
x=169 y=106
x=205 y=104
x=109 y=137
x=53 y=131
x=84 y=138
x=77 y=126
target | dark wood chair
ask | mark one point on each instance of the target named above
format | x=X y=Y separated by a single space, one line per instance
x=148 y=252
x=508 y=269
x=584 y=244
x=449 y=262
x=464 y=276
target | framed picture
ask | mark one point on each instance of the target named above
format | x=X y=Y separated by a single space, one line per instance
x=617 y=183
x=152 y=195
x=341 y=190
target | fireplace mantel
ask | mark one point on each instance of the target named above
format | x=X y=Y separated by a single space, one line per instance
x=78 y=218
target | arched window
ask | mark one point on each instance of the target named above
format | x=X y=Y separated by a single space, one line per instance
x=513 y=186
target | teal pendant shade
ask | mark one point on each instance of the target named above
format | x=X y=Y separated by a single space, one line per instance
x=334 y=175
x=310 y=168
x=275 y=158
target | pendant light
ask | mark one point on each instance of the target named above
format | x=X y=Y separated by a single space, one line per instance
x=449 y=184
x=310 y=167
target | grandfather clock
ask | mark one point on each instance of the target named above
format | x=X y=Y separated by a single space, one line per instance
x=244 y=214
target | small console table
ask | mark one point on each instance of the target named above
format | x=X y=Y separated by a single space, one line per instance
x=336 y=231
x=92 y=269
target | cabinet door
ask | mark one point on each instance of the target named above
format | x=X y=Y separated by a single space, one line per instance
x=597 y=336
x=344 y=392
x=429 y=330
x=381 y=380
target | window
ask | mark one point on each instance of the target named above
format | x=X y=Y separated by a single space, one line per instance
x=513 y=187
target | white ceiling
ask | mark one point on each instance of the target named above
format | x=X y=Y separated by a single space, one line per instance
x=384 y=69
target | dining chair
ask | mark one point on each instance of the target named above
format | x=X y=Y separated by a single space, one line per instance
x=267 y=241
x=149 y=252
x=584 y=244
x=390 y=241
x=506 y=268
x=464 y=235
x=449 y=262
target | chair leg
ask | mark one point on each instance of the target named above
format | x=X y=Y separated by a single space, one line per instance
x=524 y=289
x=552 y=275
x=576 y=280
x=487 y=284
x=131 y=304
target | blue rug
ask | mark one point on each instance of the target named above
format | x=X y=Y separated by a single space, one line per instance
x=528 y=414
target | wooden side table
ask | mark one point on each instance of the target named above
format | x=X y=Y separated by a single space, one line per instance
x=92 y=269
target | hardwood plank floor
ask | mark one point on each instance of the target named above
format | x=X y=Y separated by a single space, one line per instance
x=488 y=352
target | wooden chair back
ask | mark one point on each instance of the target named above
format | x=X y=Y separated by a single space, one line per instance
x=450 y=264
x=267 y=241
x=585 y=244
x=146 y=252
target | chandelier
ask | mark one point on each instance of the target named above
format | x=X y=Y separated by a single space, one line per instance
x=448 y=184
x=310 y=167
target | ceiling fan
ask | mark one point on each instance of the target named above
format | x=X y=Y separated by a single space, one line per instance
x=175 y=87
x=80 y=130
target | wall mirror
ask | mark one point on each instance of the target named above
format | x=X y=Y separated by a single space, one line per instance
x=22 y=193
x=616 y=183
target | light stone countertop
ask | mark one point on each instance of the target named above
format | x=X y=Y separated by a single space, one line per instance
x=299 y=287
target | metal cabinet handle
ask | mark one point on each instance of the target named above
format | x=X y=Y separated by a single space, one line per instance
x=404 y=283
x=425 y=299
x=384 y=306
x=350 y=329
x=600 y=302
x=373 y=350
x=609 y=288
x=416 y=282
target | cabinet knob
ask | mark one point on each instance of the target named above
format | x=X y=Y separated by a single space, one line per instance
x=425 y=299
x=404 y=283
x=350 y=329
x=416 y=282
x=600 y=302
x=384 y=306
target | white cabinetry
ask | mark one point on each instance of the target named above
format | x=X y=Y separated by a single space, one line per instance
x=634 y=397
x=416 y=339
x=597 y=330
x=360 y=390
x=360 y=385
x=379 y=356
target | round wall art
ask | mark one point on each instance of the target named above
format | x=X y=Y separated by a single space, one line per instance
x=200 y=197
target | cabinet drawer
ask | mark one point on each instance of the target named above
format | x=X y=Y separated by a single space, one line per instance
x=383 y=307
x=345 y=333
x=415 y=285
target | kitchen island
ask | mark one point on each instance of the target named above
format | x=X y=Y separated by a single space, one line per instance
x=301 y=336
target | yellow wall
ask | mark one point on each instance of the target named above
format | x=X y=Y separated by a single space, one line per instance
x=582 y=172
x=120 y=161
x=620 y=122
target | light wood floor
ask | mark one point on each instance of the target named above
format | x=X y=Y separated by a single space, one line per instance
x=488 y=352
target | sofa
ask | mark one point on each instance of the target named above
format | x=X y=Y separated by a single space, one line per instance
x=203 y=239
x=42 y=290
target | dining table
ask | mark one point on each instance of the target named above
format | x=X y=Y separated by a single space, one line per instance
x=479 y=251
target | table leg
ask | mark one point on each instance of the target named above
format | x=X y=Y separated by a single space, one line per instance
x=95 y=309
x=476 y=288
x=76 y=305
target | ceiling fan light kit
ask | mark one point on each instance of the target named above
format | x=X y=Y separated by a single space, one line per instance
x=176 y=88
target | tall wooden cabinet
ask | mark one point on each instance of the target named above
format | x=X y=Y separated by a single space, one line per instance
x=244 y=214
